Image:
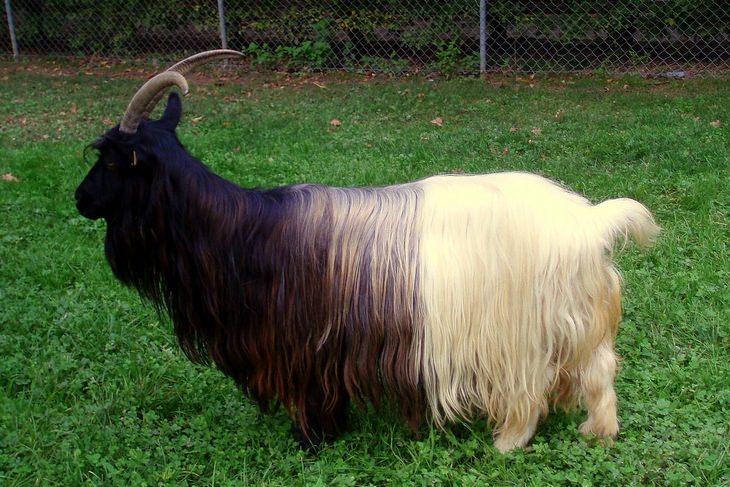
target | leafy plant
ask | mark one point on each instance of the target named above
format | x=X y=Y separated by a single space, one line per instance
x=262 y=55
x=448 y=58
x=308 y=54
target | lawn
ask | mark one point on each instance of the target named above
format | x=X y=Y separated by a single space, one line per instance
x=94 y=390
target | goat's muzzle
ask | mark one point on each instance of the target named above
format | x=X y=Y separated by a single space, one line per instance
x=86 y=205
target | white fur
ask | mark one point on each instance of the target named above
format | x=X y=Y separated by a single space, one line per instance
x=516 y=283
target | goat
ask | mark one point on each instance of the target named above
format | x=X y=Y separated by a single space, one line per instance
x=445 y=298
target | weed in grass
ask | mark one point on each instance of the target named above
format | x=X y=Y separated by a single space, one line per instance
x=93 y=388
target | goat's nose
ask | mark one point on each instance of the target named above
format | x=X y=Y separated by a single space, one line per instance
x=80 y=197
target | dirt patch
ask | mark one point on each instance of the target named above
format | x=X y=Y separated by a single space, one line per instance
x=142 y=69
x=243 y=73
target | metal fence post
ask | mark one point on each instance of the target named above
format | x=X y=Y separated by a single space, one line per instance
x=11 y=28
x=482 y=36
x=222 y=25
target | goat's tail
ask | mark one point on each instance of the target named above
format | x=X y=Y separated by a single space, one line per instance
x=622 y=218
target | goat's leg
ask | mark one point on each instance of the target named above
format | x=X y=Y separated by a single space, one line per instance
x=513 y=435
x=597 y=387
x=322 y=419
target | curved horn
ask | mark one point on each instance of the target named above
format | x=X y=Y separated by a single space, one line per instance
x=185 y=66
x=152 y=88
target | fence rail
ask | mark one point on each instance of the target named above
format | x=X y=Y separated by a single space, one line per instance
x=678 y=37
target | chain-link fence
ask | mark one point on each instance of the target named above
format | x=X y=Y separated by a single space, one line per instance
x=674 y=37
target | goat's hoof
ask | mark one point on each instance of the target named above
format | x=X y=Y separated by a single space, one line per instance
x=606 y=431
x=506 y=442
x=310 y=443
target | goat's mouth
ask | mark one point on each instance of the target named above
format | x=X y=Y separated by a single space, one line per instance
x=87 y=208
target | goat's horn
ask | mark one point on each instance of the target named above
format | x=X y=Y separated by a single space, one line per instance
x=185 y=66
x=153 y=87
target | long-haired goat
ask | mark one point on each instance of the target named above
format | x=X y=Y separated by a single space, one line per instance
x=453 y=296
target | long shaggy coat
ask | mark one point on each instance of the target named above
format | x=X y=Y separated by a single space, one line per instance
x=451 y=296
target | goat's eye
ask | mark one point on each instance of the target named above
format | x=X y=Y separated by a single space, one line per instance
x=111 y=165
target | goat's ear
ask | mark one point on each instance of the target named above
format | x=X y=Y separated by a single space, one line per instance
x=173 y=111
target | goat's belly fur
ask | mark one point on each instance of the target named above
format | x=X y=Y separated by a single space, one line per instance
x=468 y=295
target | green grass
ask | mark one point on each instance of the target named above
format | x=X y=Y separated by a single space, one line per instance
x=93 y=389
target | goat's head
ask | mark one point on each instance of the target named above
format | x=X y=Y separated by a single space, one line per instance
x=128 y=153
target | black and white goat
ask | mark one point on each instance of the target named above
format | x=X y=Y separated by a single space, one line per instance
x=451 y=296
